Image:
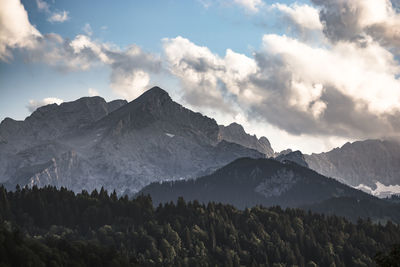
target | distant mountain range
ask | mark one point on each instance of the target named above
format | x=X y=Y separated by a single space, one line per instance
x=89 y=143
x=248 y=182
x=371 y=165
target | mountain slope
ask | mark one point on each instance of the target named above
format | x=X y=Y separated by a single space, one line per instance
x=362 y=162
x=90 y=143
x=248 y=182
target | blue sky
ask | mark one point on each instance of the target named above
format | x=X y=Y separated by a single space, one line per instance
x=256 y=62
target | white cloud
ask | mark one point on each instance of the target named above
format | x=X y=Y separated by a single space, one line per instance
x=359 y=20
x=42 y=5
x=130 y=67
x=205 y=3
x=340 y=90
x=303 y=15
x=130 y=85
x=54 y=16
x=250 y=5
x=59 y=16
x=203 y=73
x=87 y=29
x=34 y=104
x=367 y=74
x=93 y=92
x=15 y=28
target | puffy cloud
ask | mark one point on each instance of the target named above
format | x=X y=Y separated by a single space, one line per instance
x=302 y=16
x=209 y=80
x=250 y=5
x=343 y=86
x=59 y=16
x=42 y=5
x=130 y=71
x=34 y=104
x=344 y=90
x=55 y=16
x=340 y=90
x=129 y=67
x=359 y=20
x=130 y=85
x=15 y=28
x=81 y=53
x=366 y=74
x=87 y=29
x=93 y=92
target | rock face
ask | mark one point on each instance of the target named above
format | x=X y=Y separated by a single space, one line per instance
x=89 y=143
x=295 y=156
x=362 y=162
x=235 y=133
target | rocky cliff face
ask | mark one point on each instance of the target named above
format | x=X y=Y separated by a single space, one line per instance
x=90 y=143
x=362 y=162
x=295 y=156
x=235 y=133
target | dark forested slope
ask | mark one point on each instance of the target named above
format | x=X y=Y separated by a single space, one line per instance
x=58 y=228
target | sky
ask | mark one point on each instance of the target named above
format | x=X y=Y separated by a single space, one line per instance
x=308 y=75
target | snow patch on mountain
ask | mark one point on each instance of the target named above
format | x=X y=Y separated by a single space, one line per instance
x=381 y=190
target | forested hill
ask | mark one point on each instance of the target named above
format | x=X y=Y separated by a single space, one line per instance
x=248 y=182
x=50 y=227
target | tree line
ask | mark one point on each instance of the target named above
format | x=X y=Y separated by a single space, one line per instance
x=56 y=227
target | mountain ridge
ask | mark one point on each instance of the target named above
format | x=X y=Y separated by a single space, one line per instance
x=89 y=143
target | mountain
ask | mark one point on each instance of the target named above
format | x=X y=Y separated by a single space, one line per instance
x=235 y=133
x=371 y=165
x=249 y=182
x=89 y=143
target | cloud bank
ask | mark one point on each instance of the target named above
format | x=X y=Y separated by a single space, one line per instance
x=346 y=85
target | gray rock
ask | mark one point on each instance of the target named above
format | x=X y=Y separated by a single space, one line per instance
x=361 y=162
x=296 y=157
x=235 y=133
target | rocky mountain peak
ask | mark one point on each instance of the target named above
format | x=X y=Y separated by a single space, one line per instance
x=293 y=156
x=89 y=107
x=154 y=95
x=235 y=133
x=53 y=121
x=156 y=110
x=236 y=128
